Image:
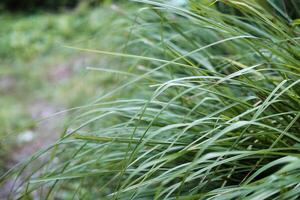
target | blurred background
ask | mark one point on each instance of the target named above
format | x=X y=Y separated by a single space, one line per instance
x=39 y=76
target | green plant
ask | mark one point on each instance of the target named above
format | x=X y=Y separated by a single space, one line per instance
x=214 y=112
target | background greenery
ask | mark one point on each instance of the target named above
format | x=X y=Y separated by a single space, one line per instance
x=49 y=5
x=38 y=73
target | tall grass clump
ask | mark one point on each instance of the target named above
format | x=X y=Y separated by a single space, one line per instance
x=209 y=110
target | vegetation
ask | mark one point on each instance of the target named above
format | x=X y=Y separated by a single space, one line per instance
x=210 y=110
x=39 y=73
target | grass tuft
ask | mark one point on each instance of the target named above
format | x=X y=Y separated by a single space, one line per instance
x=212 y=112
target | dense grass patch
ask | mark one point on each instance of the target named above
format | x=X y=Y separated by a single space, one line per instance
x=214 y=112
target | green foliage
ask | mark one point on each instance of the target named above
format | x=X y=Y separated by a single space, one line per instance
x=39 y=75
x=27 y=37
x=214 y=114
x=288 y=10
x=31 y=47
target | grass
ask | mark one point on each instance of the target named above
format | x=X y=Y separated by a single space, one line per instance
x=39 y=73
x=211 y=112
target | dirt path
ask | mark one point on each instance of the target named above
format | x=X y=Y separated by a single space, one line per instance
x=31 y=140
x=44 y=133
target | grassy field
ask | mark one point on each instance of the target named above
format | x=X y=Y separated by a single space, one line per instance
x=207 y=108
x=39 y=76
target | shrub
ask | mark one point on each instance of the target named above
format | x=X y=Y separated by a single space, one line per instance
x=215 y=115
